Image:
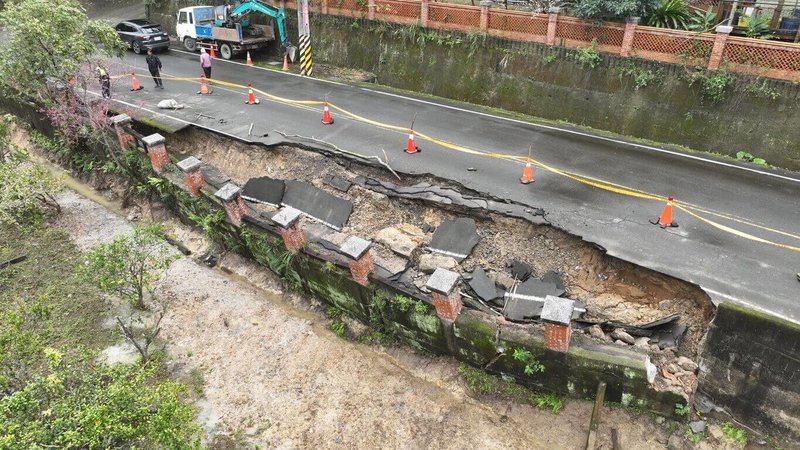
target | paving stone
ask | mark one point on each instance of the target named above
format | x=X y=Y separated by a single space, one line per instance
x=397 y=240
x=338 y=183
x=519 y=270
x=264 y=190
x=518 y=308
x=328 y=209
x=484 y=288
x=455 y=238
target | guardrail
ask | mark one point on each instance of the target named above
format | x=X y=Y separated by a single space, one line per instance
x=769 y=59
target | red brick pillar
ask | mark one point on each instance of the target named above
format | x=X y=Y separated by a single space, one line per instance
x=371 y=9
x=324 y=7
x=231 y=198
x=423 y=14
x=627 y=38
x=157 y=151
x=192 y=175
x=485 y=15
x=288 y=221
x=125 y=139
x=552 y=23
x=723 y=31
x=557 y=317
x=359 y=257
x=446 y=294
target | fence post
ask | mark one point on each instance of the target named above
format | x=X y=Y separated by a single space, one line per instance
x=192 y=175
x=359 y=257
x=627 y=38
x=723 y=32
x=552 y=22
x=157 y=151
x=485 y=15
x=423 y=14
x=120 y=121
x=557 y=317
x=324 y=7
x=288 y=221
x=231 y=198
x=446 y=294
x=371 y=9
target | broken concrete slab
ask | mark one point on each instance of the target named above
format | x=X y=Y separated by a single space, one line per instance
x=429 y=262
x=393 y=265
x=519 y=270
x=338 y=183
x=398 y=239
x=554 y=279
x=519 y=308
x=264 y=190
x=484 y=288
x=317 y=204
x=214 y=176
x=455 y=238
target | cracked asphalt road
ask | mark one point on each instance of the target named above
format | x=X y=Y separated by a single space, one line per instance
x=726 y=266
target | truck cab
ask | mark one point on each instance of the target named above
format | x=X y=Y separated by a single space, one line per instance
x=188 y=21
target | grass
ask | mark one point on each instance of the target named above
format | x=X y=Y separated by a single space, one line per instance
x=49 y=274
x=734 y=434
x=483 y=384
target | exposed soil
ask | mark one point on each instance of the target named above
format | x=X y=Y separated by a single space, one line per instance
x=612 y=289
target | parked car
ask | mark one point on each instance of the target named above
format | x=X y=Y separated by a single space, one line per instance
x=141 y=35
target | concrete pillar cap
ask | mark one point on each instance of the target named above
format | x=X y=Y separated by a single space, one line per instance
x=355 y=247
x=557 y=310
x=554 y=10
x=121 y=119
x=228 y=192
x=153 y=139
x=633 y=20
x=443 y=281
x=189 y=164
x=287 y=216
x=725 y=29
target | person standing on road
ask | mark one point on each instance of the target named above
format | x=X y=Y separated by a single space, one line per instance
x=205 y=63
x=105 y=82
x=154 y=65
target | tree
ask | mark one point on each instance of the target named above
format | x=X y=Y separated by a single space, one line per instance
x=49 y=41
x=130 y=265
x=26 y=190
x=613 y=9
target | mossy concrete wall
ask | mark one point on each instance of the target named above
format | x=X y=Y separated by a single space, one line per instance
x=549 y=82
x=750 y=366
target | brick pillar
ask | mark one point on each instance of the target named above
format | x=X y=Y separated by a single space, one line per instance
x=121 y=121
x=627 y=38
x=423 y=14
x=552 y=23
x=324 y=7
x=192 y=175
x=359 y=257
x=288 y=221
x=157 y=151
x=231 y=198
x=446 y=294
x=557 y=317
x=723 y=31
x=371 y=9
x=485 y=15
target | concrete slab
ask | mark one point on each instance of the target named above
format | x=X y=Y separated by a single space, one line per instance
x=455 y=238
x=214 y=176
x=521 y=308
x=338 y=183
x=264 y=190
x=484 y=288
x=318 y=204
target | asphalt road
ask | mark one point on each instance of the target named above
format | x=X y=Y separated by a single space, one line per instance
x=727 y=266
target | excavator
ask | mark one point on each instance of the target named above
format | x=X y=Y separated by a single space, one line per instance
x=229 y=29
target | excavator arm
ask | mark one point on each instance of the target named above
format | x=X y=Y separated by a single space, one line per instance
x=264 y=8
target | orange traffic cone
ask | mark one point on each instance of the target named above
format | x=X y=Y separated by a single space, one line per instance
x=212 y=53
x=203 y=86
x=527 y=174
x=251 y=98
x=665 y=220
x=249 y=61
x=135 y=86
x=326 y=114
x=285 y=62
x=411 y=146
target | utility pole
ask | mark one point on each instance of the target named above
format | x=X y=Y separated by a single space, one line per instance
x=306 y=65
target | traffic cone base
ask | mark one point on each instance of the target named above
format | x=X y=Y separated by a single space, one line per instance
x=411 y=146
x=326 y=115
x=135 y=83
x=665 y=220
x=249 y=61
x=527 y=174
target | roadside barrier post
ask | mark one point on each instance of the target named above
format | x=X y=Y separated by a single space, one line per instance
x=288 y=221
x=192 y=175
x=232 y=201
x=627 y=38
x=552 y=23
x=485 y=4
x=120 y=121
x=557 y=317
x=371 y=9
x=423 y=14
x=359 y=257
x=446 y=294
x=157 y=151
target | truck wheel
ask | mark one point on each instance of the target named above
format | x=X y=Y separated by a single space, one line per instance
x=137 y=48
x=225 y=51
x=190 y=44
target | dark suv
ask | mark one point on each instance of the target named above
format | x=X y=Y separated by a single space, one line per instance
x=141 y=35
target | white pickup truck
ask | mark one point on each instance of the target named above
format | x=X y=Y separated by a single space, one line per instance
x=210 y=26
